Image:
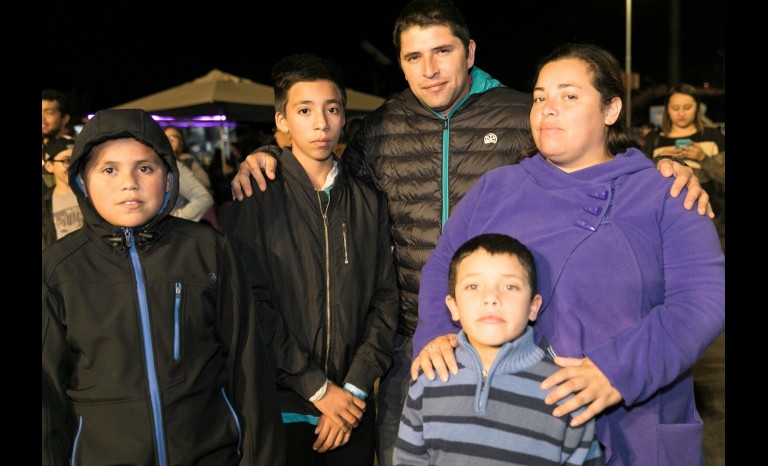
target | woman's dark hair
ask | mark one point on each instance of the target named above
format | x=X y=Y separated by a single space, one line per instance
x=608 y=80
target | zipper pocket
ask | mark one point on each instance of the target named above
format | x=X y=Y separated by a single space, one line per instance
x=176 y=308
x=234 y=417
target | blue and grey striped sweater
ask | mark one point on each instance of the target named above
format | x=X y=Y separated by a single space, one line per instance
x=501 y=420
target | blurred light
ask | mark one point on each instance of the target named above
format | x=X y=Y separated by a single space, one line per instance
x=205 y=121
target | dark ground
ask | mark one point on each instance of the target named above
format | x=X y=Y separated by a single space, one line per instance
x=709 y=383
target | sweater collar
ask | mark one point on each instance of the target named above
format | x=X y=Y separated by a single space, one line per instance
x=514 y=356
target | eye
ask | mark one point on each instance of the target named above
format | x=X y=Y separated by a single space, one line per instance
x=146 y=169
x=471 y=286
x=538 y=99
x=304 y=111
x=109 y=170
x=334 y=110
x=570 y=97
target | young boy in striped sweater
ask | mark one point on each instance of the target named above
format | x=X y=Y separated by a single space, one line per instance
x=493 y=411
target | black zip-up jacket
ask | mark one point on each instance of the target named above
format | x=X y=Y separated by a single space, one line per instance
x=322 y=275
x=152 y=352
x=425 y=162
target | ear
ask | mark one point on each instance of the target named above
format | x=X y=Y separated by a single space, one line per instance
x=612 y=111
x=48 y=166
x=471 y=53
x=451 y=303
x=535 y=306
x=280 y=122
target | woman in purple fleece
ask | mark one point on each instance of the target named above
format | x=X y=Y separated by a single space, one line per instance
x=633 y=283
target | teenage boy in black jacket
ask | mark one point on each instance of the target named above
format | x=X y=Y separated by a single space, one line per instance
x=317 y=250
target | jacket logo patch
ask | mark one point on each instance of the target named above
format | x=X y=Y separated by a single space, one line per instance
x=490 y=138
x=212 y=278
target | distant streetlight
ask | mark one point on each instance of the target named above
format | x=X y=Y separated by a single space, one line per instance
x=628 y=64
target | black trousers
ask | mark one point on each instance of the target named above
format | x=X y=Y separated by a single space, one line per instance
x=358 y=451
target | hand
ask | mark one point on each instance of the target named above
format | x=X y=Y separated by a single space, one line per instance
x=692 y=152
x=341 y=407
x=589 y=385
x=329 y=435
x=684 y=177
x=437 y=355
x=253 y=165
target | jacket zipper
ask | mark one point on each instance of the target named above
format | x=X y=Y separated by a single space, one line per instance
x=176 y=306
x=327 y=278
x=149 y=355
x=344 y=236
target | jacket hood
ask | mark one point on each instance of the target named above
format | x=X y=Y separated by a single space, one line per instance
x=117 y=124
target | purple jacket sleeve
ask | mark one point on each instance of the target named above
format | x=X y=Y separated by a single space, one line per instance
x=654 y=351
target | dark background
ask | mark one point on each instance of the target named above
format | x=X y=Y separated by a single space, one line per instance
x=110 y=53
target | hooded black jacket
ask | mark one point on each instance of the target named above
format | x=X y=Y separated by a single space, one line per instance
x=323 y=279
x=151 y=350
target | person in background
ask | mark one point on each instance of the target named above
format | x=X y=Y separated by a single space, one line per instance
x=61 y=214
x=424 y=149
x=331 y=337
x=493 y=410
x=192 y=201
x=152 y=351
x=195 y=200
x=181 y=151
x=685 y=135
x=56 y=120
x=633 y=285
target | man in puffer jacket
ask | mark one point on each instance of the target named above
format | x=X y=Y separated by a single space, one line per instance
x=152 y=350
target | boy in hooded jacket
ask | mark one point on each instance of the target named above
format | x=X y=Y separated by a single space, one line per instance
x=152 y=351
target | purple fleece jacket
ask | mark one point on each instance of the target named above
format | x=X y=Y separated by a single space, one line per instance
x=629 y=278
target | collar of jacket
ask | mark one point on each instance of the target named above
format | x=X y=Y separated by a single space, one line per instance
x=291 y=166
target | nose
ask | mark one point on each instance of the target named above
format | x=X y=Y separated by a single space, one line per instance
x=129 y=180
x=321 y=121
x=430 y=70
x=549 y=108
x=491 y=299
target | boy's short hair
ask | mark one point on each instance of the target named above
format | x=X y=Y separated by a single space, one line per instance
x=494 y=243
x=304 y=67
x=426 y=13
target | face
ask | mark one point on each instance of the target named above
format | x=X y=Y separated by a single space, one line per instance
x=126 y=181
x=568 y=119
x=436 y=66
x=493 y=299
x=58 y=166
x=175 y=138
x=54 y=123
x=682 y=110
x=314 y=117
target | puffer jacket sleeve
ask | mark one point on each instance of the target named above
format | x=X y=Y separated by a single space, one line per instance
x=251 y=380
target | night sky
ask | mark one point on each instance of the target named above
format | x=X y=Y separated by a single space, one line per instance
x=115 y=52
